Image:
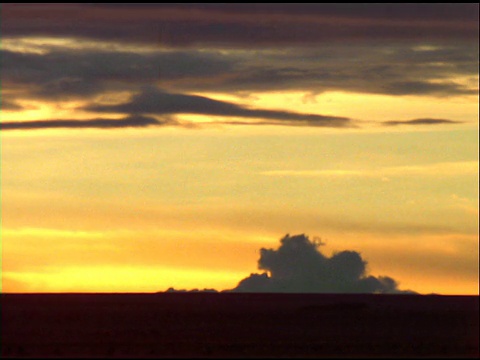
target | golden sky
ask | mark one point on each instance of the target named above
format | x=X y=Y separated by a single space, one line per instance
x=153 y=146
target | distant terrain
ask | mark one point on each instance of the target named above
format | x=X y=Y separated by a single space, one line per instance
x=217 y=325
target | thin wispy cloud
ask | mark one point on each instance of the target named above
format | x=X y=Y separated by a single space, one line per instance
x=128 y=122
x=8 y=105
x=420 y=122
x=158 y=102
x=457 y=168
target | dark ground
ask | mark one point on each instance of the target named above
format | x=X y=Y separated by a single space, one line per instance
x=217 y=325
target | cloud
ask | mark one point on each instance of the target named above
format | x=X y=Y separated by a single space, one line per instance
x=171 y=289
x=63 y=73
x=396 y=69
x=420 y=122
x=8 y=105
x=319 y=173
x=101 y=50
x=155 y=101
x=71 y=68
x=95 y=68
x=131 y=121
x=244 y=25
x=298 y=266
x=411 y=87
x=453 y=168
x=299 y=122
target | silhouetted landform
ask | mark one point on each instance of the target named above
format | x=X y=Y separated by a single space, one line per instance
x=229 y=325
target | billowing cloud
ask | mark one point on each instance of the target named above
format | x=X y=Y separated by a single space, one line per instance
x=420 y=122
x=298 y=266
x=131 y=121
x=159 y=102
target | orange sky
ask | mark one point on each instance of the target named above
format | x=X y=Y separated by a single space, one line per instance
x=135 y=163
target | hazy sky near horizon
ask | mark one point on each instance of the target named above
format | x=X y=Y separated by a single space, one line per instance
x=148 y=146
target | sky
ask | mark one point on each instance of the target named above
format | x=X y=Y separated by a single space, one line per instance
x=240 y=146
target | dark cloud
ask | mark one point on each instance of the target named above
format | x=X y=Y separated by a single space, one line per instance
x=159 y=102
x=391 y=49
x=298 y=266
x=310 y=123
x=131 y=121
x=8 y=105
x=395 y=69
x=190 y=291
x=244 y=25
x=62 y=73
x=426 y=87
x=420 y=122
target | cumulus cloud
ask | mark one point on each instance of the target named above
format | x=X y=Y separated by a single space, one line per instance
x=131 y=121
x=298 y=266
x=155 y=101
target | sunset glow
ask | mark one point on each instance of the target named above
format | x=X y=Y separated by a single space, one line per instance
x=167 y=154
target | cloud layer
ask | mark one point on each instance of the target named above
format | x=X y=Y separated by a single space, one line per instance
x=55 y=73
x=240 y=25
x=165 y=53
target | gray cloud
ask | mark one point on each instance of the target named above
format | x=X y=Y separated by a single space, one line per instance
x=61 y=74
x=391 y=49
x=171 y=289
x=156 y=101
x=131 y=121
x=397 y=70
x=394 y=69
x=9 y=105
x=420 y=122
x=298 y=266
x=310 y=123
x=240 y=25
x=425 y=87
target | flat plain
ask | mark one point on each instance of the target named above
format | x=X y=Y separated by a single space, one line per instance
x=234 y=325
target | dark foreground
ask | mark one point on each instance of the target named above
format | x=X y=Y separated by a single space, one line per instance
x=238 y=325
